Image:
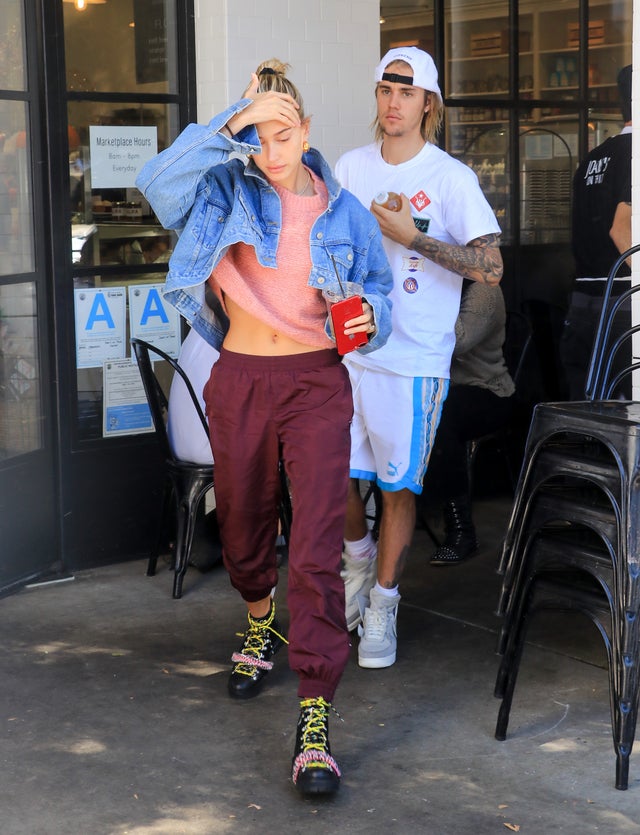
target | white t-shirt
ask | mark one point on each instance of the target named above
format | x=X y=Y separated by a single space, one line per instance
x=446 y=195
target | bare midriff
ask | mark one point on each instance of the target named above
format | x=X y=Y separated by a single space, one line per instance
x=249 y=335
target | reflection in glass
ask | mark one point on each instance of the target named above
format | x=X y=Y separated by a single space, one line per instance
x=548 y=158
x=609 y=48
x=90 y=380
x=557 y=67
x=20 y=398
x=113 y=225
x=12 y=59
x=118 y=244
x=477 y=49
x=409 y=25
x=16 y=212
x=127 y=45
x=603 y=123
x=484 y=147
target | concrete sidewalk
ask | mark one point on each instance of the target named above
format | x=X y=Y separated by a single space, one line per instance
x=116 y=717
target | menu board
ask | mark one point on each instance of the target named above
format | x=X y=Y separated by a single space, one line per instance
x=150 y=18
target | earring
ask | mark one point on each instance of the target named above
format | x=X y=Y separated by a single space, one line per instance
x=305 y=147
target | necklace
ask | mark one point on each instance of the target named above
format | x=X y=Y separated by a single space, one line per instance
x=306 y=186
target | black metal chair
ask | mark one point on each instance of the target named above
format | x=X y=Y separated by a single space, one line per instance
x=187 y=482
x=589 y=451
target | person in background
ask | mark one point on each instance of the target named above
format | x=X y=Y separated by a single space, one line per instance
x=269 y=236
x=444 y=231
x=480 y=401
x=601 y=232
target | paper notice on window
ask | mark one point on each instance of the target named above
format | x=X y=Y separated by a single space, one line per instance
x=118 y=153
x=100 y=318
x=125 y=407
x=152 y=319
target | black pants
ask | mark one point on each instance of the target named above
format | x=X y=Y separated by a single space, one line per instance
x=469 y=412
x=576 y=344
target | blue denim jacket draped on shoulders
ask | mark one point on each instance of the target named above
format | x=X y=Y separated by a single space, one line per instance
x=199 y=187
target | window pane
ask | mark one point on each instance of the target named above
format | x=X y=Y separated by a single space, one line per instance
x=483 y=144
x=106 y=222
x=477 y=49
x=20 y=398
x=526 y=63
x=603 y=122
x=12 y=69
x=16 y=208
x=90 y=380
x=558 y=48
x=127 y=45
x=609 y=48
x=411 y=25
x=548 y=158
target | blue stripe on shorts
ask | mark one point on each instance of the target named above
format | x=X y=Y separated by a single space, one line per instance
x=429 y=394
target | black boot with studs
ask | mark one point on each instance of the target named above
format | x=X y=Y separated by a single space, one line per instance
x=460 y=536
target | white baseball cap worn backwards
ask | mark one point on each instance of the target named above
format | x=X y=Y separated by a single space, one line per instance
x=425 y=74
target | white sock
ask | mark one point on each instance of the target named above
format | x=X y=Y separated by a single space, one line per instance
x=361 y=549
x=386 y=592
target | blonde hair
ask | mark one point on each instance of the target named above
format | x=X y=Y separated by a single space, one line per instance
x=431 y=120
x=272 y=75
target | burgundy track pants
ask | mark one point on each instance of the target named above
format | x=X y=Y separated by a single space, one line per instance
x=296 y=408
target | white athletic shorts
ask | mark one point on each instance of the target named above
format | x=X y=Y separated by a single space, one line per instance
x=394 y=426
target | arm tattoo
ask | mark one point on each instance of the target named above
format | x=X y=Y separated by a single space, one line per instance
x=480 y=260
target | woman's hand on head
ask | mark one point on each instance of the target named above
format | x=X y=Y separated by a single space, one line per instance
x=265 y=107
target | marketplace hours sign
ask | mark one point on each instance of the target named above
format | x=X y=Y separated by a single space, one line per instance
x=118 y=154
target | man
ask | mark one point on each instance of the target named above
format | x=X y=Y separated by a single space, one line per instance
x=445 y=231
x=601 y=231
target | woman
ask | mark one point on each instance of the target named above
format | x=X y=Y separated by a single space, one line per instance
x=270 y=236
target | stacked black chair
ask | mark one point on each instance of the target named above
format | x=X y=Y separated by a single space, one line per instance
x=573 y=540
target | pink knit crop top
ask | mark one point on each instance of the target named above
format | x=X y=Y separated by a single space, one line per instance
x=280 y=297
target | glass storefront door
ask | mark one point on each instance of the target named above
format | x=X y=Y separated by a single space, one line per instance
x=28 y=530
x=77 y=80
x=124 y=89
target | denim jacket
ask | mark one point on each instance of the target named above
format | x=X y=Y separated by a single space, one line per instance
x=213 y=200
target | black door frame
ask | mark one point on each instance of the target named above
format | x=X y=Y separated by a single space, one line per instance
x=29 y=505
x=109 y=489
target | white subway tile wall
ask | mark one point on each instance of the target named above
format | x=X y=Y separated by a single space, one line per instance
x=332 y=46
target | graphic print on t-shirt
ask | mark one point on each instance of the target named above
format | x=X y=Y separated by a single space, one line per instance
x=412 y=264
x=420 y=200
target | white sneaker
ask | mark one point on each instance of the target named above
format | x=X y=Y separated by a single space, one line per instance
x=378 y=642
x=359 y=578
